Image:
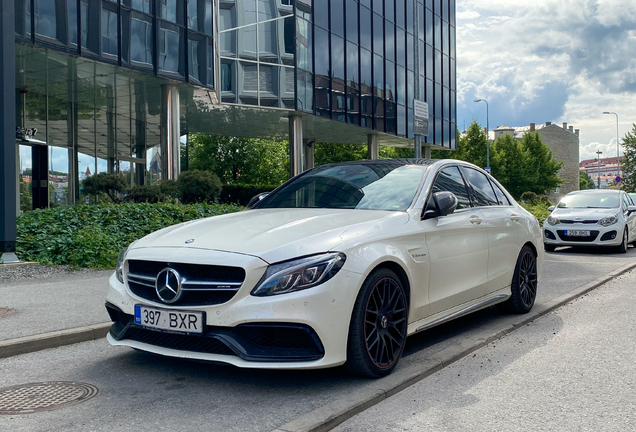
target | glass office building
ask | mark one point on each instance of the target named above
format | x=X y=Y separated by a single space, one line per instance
x=117 y=85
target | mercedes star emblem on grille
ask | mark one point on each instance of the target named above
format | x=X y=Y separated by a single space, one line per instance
x=168 y=285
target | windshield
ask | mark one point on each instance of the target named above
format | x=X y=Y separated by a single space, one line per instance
x=609 y=200
x=364 y=186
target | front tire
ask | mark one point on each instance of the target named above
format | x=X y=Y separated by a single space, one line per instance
x=377 y=333
x=623 y=247
x=524 y=284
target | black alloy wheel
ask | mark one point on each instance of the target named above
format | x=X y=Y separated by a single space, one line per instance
x=377 y=334
x=524 y=284
x=623 y=247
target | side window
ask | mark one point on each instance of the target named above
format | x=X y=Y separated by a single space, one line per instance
x=501 y=197
x=450 y=180
x=625 y=202
x=482 y=191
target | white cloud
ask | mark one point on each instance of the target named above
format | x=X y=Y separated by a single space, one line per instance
x=549 y=60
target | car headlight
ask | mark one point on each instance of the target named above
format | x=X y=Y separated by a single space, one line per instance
x=553 y=220
x=299 y=274
x=609 y=220
x=119 y=270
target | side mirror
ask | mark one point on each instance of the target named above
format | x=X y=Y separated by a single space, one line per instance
x=631 y=208
x=446 y=202
x=256 y=199
x=551 y=208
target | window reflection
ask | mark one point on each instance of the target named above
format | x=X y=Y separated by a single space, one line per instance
x=169 y=50
x=109 y=32
x=141 y=5
x=72 y=21
x=141 y=41
x=169 y=10
x=193 y=58
x=45 y=18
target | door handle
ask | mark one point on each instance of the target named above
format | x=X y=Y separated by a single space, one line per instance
x=475 y=220
x=515 y=217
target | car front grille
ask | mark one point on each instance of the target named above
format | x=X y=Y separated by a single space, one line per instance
x=573 y=221
x=590 y=238
x=178 y=342
x=202 y=285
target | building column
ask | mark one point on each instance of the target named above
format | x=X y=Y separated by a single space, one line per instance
x=8 y=147
x=170 y=133
x=296 y=157
x=309 y=153
x=373 y=147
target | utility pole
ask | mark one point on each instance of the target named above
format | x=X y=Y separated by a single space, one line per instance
x=598 y=171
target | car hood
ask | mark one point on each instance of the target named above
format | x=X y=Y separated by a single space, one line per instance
x=274 y=234
x=586 y=213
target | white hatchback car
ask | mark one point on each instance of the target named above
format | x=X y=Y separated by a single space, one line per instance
x=338 y=265
x=597 y=217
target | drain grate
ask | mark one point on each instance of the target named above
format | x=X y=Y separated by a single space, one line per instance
x=43 y=396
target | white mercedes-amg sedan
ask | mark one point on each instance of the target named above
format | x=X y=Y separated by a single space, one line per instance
x=337 y=266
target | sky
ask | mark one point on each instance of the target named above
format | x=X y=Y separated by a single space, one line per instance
x=560 y=61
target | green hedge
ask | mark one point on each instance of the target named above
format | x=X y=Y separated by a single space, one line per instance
x=241 y=194
x=93 y=235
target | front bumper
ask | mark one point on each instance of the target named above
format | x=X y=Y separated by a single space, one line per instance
x=556 y=235
x=302 y=330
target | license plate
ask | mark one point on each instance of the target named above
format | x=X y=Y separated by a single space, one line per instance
x=577 y=233
x=171 y=320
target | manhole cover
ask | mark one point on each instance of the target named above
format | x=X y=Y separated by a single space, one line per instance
x=6 y=311
x=43 y=396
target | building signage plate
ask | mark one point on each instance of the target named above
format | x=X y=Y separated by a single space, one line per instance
x=420 y=117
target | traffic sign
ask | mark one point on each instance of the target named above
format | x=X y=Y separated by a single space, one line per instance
x=618 y=179
x=420 y=117
x=487 y=169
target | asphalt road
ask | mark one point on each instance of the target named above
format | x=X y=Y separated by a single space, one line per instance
x=149 y=392
x=571 y=370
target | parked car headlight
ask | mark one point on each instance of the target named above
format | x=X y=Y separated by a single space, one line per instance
x=299 y=274
x=609 y=220
x=119 y=270
x=553 y=220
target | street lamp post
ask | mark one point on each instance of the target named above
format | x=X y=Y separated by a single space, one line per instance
x=618 y=155
x=487 y=138
x=598 y=171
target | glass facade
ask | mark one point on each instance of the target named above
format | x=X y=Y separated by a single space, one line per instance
x=148 y=35
x=90 y=75
x=372 y=58
x=256 y=39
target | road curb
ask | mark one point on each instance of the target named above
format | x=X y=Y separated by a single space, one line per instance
x=331 y=415
x=27 y=344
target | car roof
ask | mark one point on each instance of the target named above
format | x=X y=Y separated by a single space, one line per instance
x=396 y=162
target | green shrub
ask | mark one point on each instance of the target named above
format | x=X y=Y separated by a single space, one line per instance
x=145 y=194
x=170 y=188
x=539 y=210
x=109 y=184
x=198 y=186
x=93 y=235
x=241 y=194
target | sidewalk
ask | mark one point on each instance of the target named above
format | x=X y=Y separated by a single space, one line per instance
x=50 y=300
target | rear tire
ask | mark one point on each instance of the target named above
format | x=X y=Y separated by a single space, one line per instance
x=623 y=247
x=549 y=248
x=377 y=333
x=524 y=284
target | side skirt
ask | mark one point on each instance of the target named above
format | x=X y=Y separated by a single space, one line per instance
x=459 y=311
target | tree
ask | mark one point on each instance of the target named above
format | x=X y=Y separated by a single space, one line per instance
x=326 y=153
x=110 y=184
x=541 y=169
x=508 y=165
x=240 y=160
x=628 y=166
x=472 y=146
x=585 y=181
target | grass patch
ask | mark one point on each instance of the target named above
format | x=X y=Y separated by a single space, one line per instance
x=93 y=235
